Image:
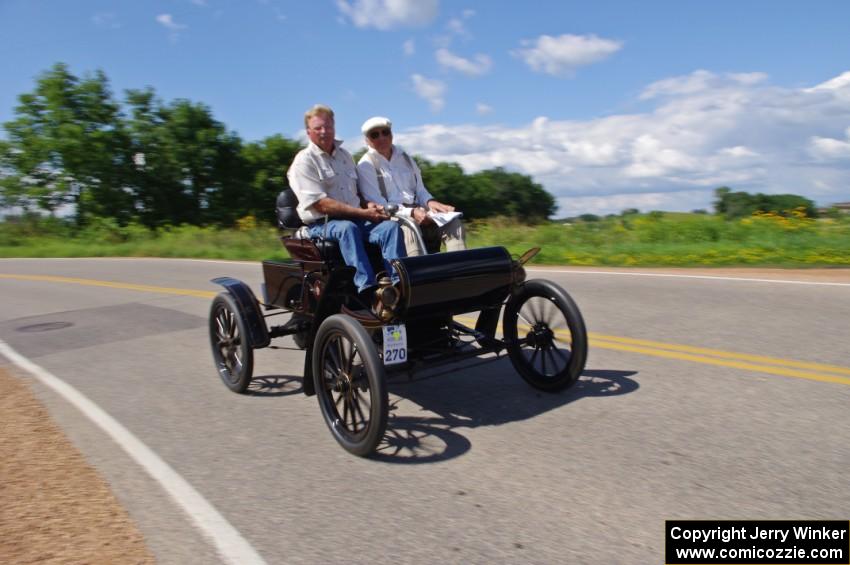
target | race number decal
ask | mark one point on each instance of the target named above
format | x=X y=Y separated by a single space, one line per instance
x=395 y=344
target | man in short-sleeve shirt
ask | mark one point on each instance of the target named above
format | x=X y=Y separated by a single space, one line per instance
x=324 y=178
x=388 y=165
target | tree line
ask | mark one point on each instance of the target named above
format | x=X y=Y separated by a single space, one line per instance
x=73 y=148
x=733 y=205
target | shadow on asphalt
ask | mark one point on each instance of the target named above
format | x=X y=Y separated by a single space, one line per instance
x=481 y=395
x=462 y=396
x=275 y=385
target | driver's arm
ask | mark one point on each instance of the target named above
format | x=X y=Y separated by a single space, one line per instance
x=335 y=209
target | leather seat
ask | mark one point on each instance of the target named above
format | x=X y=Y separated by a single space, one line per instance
x=312 y=249
x=308 y=249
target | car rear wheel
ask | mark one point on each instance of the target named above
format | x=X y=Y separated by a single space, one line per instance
x=233 y=355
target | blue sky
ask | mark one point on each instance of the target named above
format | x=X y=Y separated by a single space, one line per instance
x=609 y=105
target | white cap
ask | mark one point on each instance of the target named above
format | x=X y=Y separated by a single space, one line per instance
x=375 y=122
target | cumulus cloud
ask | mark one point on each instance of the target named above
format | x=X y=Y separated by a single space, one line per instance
x=829 y=149
x=836 y=84
x=431 y=90
x=456 y=26
x=477 y=67
x=562 y=55
x=701 y=131
x=389 y=14
x=483 y=109
x=699 y=81
x=167 y=21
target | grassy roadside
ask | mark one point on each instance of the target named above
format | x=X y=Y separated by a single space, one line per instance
x=655 y=239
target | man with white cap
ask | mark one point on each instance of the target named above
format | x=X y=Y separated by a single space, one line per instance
x=389 y=176
x=324 y=178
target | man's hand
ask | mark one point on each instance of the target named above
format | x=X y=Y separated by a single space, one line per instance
x=378 y=207
x=440 y=207
x=420 y=215
x=375 y=213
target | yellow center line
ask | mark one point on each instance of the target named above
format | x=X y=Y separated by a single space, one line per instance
x=111 y=284
x=704 y=355
x=720 y=353
x=773 y=370
x=747 y=362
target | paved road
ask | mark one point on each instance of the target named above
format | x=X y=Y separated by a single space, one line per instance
x=702 y=398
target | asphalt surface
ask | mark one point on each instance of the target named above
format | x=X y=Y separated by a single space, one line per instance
x=483 y=468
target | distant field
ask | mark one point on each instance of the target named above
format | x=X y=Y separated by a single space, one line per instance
x=654 y=239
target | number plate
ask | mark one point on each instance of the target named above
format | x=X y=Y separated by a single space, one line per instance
x=395 y=344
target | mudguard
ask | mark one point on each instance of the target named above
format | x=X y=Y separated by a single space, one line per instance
x=249 y=308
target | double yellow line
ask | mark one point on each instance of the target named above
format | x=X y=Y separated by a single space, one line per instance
x=744 y=361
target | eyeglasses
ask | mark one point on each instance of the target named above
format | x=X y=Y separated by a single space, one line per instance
x=375 y=134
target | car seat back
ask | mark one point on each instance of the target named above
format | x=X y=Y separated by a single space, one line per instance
x=287 y=210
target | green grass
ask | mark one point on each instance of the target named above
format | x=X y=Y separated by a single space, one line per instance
x=638 y=240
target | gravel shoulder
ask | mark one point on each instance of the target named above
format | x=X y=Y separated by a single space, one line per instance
x=55 y=507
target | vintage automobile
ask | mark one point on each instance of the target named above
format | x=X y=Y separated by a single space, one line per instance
x=352 y=347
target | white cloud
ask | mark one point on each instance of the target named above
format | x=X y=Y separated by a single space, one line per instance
x=483 y=109
x=737 y=151
x=829 y=149
x=837 y=83
x=409 y=47
x=457 y=27
x=389 y=14
x=431 y=90
x=699 y=81
x=480 y=66
x=562 y=55
x=703 y=130
x=167 y=21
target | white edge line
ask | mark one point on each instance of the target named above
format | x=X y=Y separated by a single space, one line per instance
x=231 y=546
x=708 y=277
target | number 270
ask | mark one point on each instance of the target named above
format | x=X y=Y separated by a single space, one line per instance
x=395 y=355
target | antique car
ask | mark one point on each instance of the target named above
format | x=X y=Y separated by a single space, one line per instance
x=353 y=346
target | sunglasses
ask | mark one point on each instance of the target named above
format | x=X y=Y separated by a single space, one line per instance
x=375 y=134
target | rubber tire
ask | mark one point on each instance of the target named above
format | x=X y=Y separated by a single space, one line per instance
x=559 y=297
x=364 y=442
x=225 y=309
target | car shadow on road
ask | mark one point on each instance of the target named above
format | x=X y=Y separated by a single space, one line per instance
x=464 y=395
x=480 y=395
x=275 y=385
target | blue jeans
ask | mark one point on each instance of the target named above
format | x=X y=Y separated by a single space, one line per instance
x=350 y=235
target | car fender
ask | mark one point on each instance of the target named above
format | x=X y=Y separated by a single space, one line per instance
x=249 y=308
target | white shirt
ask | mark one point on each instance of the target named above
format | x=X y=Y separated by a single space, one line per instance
x=403 y=183
x=315 y=174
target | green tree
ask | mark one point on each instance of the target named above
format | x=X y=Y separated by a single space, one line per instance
x=267 y=163
x=494 y=192
x=188 y=167
x=67 y=146
x=740 y=204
